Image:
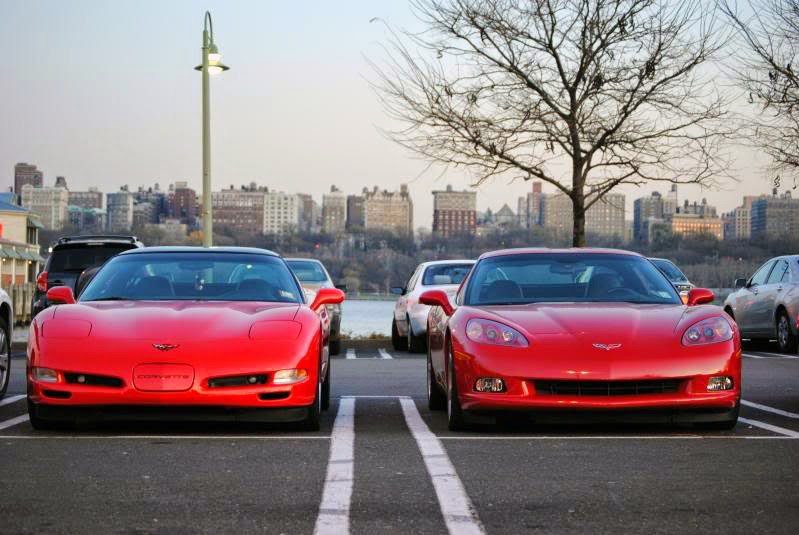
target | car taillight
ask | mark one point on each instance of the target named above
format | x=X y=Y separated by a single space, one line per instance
x=495 y=333
x=41 y=281
x=708 y=331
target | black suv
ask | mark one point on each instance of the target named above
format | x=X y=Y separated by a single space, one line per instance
x=71 y=256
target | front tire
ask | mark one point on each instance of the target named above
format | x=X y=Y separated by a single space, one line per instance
x=416 y=344
x=436 y=400
x=311 y=422
x=785 y=336
x=455 y=418
x=326 y=388
x=41 y=424
x=5 y=358
x=335 y=347
x=398 y=342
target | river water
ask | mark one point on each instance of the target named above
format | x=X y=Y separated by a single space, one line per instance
x=365 y=318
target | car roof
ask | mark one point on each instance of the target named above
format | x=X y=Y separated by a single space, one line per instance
x=545 y=250
x=298 y=259
x=101 y=238
x=453 y=261
x=197 y=249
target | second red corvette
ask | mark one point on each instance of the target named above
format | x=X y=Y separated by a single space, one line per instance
x=588 y=331
x=182 y=333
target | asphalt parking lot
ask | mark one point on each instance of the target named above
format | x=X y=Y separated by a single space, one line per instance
x=383 y=463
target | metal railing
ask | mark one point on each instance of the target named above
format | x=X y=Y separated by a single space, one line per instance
x=21 y=296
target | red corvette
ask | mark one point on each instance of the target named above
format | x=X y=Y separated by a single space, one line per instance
x=182 y=333
x=566 y=333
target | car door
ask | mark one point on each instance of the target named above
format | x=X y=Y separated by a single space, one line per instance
x=766 y=299
x=746 y=301
x=401 y=308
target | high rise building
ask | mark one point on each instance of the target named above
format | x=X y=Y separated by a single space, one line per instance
x=310 y=213
x=388 y=210
x=529 y=207
x=50 y=204
x=119 y=212
x=738 y=223
x=93 y=198
x=603 y=218
x=183 y=204
x=334 y=211
x=655 y=207
x=144 y=213
x=775 y=217
x=356 y=214
x=87 y=219
x=692 y=223
x=454 y=212
x=27 y=174
x=281 y=212
x=159 y=200
x=240 y=210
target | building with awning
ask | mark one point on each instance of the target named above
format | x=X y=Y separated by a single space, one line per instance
x=20 y=260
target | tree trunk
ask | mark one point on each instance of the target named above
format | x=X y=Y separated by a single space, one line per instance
x=578 y=210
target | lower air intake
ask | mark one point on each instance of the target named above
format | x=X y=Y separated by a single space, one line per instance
x=607 y=388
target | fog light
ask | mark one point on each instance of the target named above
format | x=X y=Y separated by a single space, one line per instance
x=489 y=384
x=45 y=375
x=287 y=377
x=81 y=379
x=715 y=384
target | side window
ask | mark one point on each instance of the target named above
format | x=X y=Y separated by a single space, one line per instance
x=761 y=275
x=778 y=272
x=412 y=281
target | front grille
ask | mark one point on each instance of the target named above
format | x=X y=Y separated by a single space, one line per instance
x=237 y=380
x=93 y=380
x=606 y=388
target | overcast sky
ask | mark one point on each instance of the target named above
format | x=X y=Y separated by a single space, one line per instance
x=104 y=93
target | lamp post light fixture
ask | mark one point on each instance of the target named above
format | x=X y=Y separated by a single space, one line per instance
x=211 y=64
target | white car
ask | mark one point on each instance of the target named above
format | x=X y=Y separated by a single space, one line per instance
x=6 y=325
x=409 y=327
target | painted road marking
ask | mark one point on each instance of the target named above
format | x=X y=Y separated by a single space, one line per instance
x=769 y=427
x=11 y=399
x=769 y=409
x=334 y=510
x=384 y=354
x=351 y=353
x=13 y=421
x=457 y=508
x=611 y=437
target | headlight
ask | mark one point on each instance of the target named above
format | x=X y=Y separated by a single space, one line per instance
x=495 y=333
x=45 y=375
x=289 y=377
x=709 y=331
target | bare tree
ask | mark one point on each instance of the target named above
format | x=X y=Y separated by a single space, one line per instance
x=769 y=31
x=585 y=95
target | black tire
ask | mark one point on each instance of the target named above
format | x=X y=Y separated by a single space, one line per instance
x=785 y=337
x=40 y=424
x=326 y=388
x=724 y=425
x=436 y=400
x=415 y=344
x=335 y=347
x=311 y=421
x=398 y=342
x=455 y=417
x=5 y=357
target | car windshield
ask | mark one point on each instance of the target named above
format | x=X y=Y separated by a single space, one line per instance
x=308 y=270
x=568 y=277
x=76 y=258
x=669 y=269
x=445 y=274
x=189 y=276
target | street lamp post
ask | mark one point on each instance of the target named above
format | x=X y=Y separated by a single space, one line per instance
x=211 y=64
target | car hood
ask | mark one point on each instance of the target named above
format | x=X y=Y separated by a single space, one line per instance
x=174 y=320
x=600 y=322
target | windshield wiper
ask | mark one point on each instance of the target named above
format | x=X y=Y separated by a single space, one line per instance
x=109 y=298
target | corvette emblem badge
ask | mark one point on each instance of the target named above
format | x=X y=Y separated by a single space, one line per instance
x=607 y=347
x=165 y=347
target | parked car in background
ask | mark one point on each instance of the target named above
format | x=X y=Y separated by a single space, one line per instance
x=71 y=256
x=6 y=325
x=673 y=273
x=313 y=275
x=766 y=305
x=409 y=325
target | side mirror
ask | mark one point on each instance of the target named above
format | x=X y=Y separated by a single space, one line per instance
x=740 y=283
x=397 y=290
x=700 y=296
x=327 y=296
x=61 y=295
x=437 y=298
x=342 y=287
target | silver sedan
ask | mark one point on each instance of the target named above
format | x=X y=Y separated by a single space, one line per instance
x=766 y=305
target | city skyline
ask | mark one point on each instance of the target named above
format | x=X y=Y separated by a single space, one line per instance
x=132 y=117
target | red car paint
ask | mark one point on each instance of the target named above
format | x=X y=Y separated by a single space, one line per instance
x=562 y=338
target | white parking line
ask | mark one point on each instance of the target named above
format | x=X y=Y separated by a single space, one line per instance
x=13 y=421
x=384 y=354
x=769 y=427
x=351 y=353
x=457 y=508
x=11 y=399
x=769 y=409
x=334 y=510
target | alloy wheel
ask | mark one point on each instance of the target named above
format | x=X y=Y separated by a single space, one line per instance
x=5 y=361
x=783 y=331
